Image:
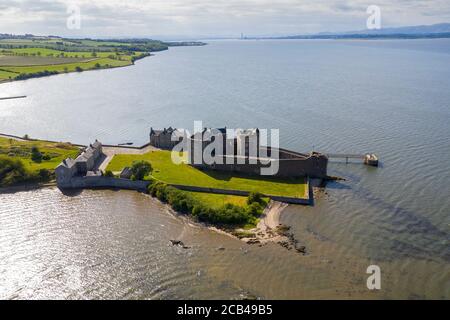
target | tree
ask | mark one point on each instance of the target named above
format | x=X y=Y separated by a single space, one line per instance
x=140 y=169
x=44 y=174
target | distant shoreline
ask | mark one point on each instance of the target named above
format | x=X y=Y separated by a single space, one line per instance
x=358 y=37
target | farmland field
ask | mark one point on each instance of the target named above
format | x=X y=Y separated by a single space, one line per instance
x=14 y=60
x=24 y=57
x=28 y=58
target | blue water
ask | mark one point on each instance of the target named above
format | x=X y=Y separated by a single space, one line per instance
x=388 y=97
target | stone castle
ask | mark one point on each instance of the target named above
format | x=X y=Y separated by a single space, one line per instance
x=241 y=152
x=163 y=138
x=83 y=165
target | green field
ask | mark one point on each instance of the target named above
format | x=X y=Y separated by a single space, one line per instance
x=16 y=60
x=68 y=67
x=15 y=64
x=165 y=170
x=45 y=52
x=57 y=43
x=22 y=150
x=6 y=75
x=218 y=200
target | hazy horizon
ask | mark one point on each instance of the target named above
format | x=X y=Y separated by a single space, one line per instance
x=193 y=19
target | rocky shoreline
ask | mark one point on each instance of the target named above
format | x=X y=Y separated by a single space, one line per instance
x=268 y=230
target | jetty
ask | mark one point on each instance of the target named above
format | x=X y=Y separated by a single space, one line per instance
x=15 y=97
x=370 y=159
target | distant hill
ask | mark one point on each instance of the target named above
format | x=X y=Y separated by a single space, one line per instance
x=441 y=30
x=423 y=29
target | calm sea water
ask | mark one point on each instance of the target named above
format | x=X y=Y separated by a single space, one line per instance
x=388 y=97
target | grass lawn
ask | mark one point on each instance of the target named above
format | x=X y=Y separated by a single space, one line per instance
x=165 y=170
x=217 y=200
x=22 y=150
x=5 y=75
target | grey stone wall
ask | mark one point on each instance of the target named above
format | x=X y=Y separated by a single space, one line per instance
x=117 y=183
x=105 y=182
x=293 y=200
x=314 y=167
x=290 y=163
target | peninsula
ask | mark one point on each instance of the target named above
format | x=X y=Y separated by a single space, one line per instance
x=29 y=56
x=229 y=196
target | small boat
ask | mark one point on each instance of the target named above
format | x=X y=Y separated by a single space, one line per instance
x=126 y=144
x=371 y=159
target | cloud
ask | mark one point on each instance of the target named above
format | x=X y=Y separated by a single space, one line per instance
x=211 y=17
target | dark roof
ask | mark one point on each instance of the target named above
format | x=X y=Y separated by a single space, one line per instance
x=96 y=144
x=157 y=133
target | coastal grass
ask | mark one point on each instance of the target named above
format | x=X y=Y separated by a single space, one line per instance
x=21 y=150
x=6 y=75
x=166 y=171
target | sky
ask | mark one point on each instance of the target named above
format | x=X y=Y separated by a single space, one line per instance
x=209 y=18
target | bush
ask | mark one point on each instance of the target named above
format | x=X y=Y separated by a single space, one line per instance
x=36 y=155
x=255 y=209
x=140 y=169
x=24 y=76
x=12 y=171
x=44 y=175
x=254 y=197
x=108 y=173
x=183 y=202
x=78 y=69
